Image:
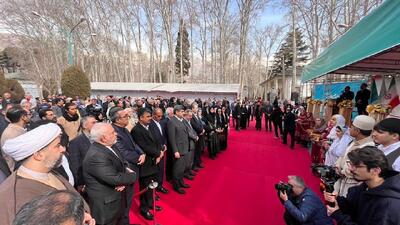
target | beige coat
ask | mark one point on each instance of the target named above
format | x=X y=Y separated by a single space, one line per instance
x=11 y=131
x=24 y=190
x=71 y=128
x=343 y=184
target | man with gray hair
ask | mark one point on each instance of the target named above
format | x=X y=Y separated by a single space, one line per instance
x=305 y=207
x=129 y=150
x=178 y=138
x=106 y=175
x=193 y=138
x=77 y=151
x=40 y=152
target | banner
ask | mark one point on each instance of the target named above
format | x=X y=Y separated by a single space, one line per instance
x=397 y=83
x=390 y=97
x=378 y=82
x=387 y=81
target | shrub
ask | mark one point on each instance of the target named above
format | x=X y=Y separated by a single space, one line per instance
x=74 y=82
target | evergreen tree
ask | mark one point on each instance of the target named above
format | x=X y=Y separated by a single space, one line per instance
x=286 y=52
x=3 y=83
x=185 y=52
x=16 y=90
x=74 y=82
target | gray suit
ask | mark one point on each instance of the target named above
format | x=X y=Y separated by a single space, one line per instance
x=178 y=138
x=192 y=146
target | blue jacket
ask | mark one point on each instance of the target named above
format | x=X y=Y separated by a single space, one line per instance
x=376 y=206
x=308 y=209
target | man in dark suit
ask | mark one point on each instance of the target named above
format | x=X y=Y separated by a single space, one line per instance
x=148 y=171
x=289 y=126
x=77 y=151
x=267 y=109
x=346 y=95
x=178 y=138
x=169 y=161
x=129 y=150
x=362 y=98
x=237 y=112
x=199 y=145
x=157 y=128
x=106 y=176
x=193 y=138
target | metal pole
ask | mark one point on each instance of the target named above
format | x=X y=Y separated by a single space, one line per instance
x=283 y=78
x=69 y=48
x=294 y=77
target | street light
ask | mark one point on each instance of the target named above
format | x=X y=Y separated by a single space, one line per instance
x=70 y=59
x=69 y=35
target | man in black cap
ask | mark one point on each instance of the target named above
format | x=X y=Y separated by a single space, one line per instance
x=387 y=134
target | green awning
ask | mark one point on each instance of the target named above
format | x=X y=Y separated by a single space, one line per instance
x=372 y=46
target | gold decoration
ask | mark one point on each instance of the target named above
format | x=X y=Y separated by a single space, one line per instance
x=314 y=102
x=346 y=104
x=378 y=108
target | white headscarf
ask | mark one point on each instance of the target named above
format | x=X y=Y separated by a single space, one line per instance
x=340 y=121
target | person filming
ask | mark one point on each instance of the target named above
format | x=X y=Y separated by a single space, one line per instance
x=376 y=200
x=304 y=206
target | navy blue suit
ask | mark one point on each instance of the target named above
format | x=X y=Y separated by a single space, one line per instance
x=131 y=152
x=77 y=149
x=199 y=144
x=162 y=140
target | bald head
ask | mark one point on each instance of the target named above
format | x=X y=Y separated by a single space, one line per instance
x=157 y=114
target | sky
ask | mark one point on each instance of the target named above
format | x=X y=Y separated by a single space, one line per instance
x=271 y=15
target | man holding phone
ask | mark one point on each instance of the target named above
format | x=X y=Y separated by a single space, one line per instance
x=377 y=199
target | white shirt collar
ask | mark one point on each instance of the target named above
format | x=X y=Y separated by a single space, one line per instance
x=387 y=150
x=112 y=150
x=180 y=119
x=145 y=126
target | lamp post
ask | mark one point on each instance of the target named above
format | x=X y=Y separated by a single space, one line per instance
x=69 y=41
x=69 y=36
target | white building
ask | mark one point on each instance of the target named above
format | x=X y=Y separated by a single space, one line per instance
x=166 y=90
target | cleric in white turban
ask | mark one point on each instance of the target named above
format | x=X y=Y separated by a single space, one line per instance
x=33 y=141
x=40 y=152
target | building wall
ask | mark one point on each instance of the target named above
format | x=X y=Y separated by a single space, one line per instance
x=188 y=95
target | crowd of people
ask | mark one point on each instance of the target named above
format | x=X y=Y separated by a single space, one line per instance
x=102 y=150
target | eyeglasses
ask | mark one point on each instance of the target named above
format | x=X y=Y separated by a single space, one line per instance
x=350 y=164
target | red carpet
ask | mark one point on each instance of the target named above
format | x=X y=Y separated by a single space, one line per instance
x=238 y=187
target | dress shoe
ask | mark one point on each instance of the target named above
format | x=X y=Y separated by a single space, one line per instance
x=196 y=169
x=185 y=185
x=158 y=208
x=162 y=190
x=147 y=215
x=180 y=191
x=188 y=177
x=157 y=198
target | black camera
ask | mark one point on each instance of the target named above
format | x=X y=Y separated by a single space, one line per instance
x=328 y=176
x=283 y=187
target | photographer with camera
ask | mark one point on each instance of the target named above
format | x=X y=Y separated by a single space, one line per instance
x=95 y=110
x=304 y=206
x=377 y=200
